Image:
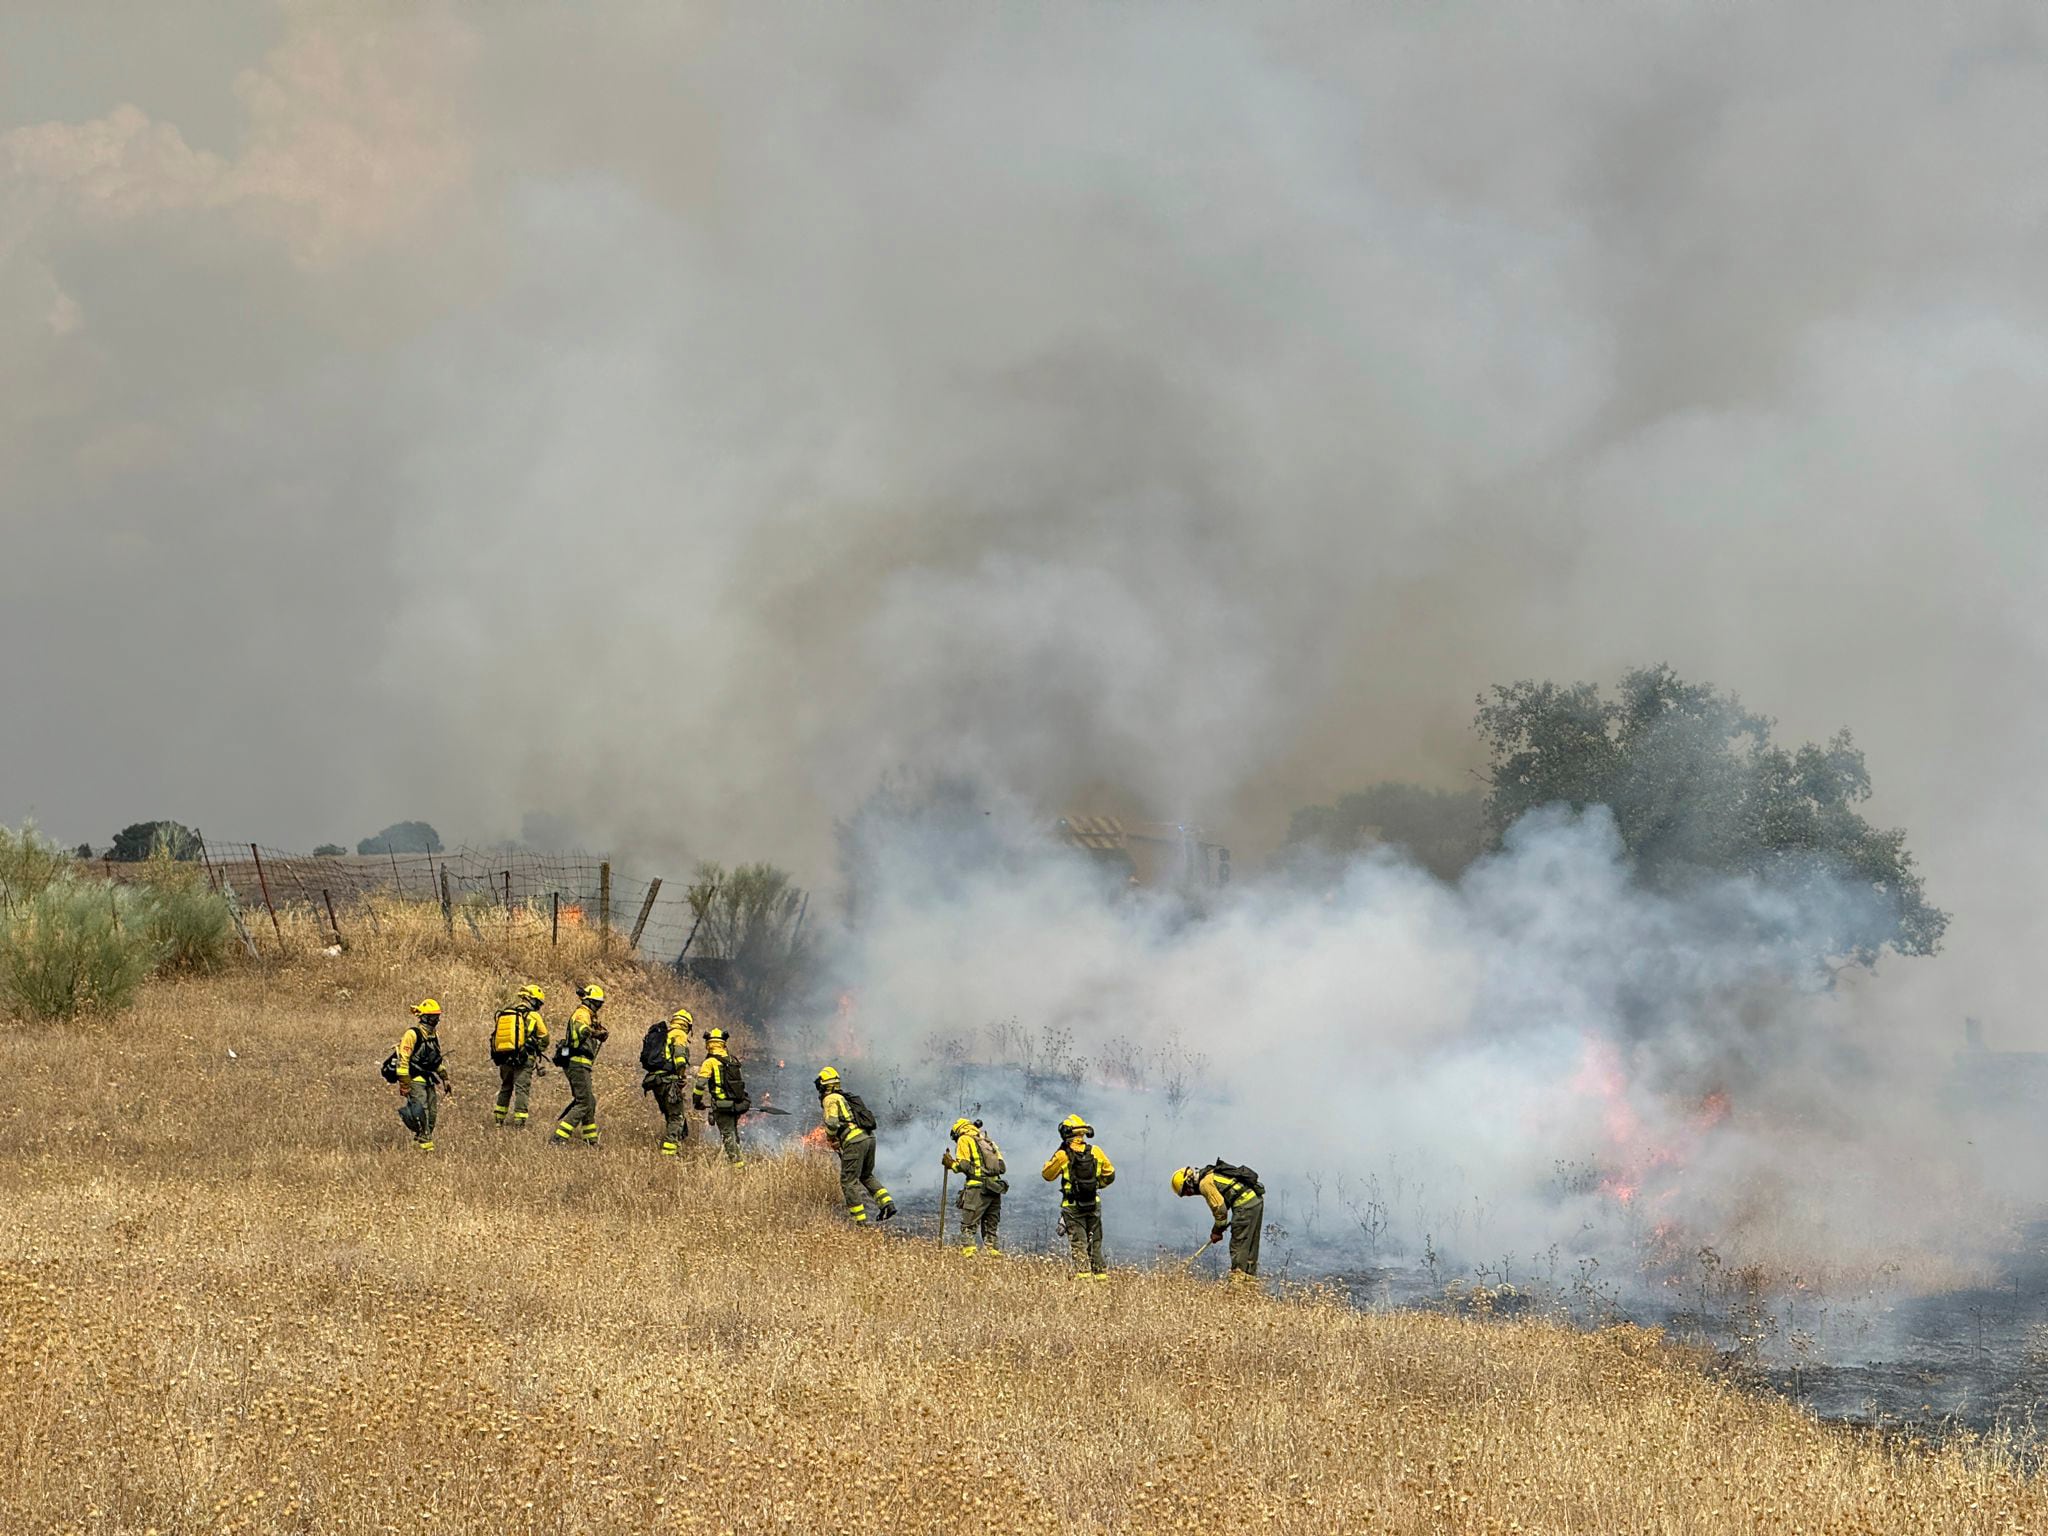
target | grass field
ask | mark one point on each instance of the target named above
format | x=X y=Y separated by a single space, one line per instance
x=234 y=1299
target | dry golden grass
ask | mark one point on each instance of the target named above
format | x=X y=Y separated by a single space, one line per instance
x=233 y=1299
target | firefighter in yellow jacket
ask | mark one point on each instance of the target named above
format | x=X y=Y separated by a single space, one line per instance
x=1084 y=1171
x=721 y=1092
x=1237 y=1202
x=855 y=1143
x=421 y=1082
x=979 y=1161
x=581 y=1041
x=519 y=1040
x=666 y=1080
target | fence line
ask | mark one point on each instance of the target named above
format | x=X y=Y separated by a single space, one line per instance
x=643 y=917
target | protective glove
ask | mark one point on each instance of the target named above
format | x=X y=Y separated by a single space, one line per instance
x=946 y=1161
x=1216 y=1236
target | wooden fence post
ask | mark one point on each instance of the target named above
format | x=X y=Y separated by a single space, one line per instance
x=508 y=890
x=331 y=923
x=447 y=903
x=640 y=923
x=604 y=906
x=267 y=902
x=554 y=917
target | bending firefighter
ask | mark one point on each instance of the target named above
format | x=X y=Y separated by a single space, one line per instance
x=577 y=1057
x=518 y=1039
x=1237 y=1201
x=976 y=1157
x=850 y=1127
x=719 y=1081
x=665 y=1058
x=416 y=1067
x=1084 y=1171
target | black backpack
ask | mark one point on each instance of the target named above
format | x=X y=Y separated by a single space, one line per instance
x=426 y=1056
x=857 y=1107
x=736 y=1086
x=654 y=1047
x=390 y=1068
x=1240 y=1173
x=1084 y=1179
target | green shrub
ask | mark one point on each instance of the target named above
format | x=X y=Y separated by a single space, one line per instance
x=28 y=863
x=183 y=919
x=73 y=949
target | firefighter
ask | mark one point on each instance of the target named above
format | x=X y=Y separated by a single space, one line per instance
x=577 y=1054
x=1237 y=1201
x=1084 y=1171
x=975 y=1156
x=667 y=1082
x=851 y=1129
x=719 y=1079
x=518 y=1040
x=421 y=1082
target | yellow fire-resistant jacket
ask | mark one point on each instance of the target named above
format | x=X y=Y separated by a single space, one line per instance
x=711 y=1079
x=967 y=1159
x=1056 y=1167
x=1223 y=1196
x=676 y=1052
x=839 y=1126
x=583 y=1035
x=407 y=1044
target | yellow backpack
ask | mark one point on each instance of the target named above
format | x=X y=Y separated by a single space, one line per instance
x=508 y=1037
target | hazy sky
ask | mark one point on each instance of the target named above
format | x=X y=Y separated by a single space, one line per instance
x=671 y=417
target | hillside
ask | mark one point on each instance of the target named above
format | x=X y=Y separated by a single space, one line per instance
x=236 y=1300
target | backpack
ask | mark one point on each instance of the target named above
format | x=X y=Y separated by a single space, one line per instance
x=426 y=1056
x=390 y=1068
x=509 y=1036
x=857 y=1107
x=654 y=1047
x=991 y=1154
x=1083 y=1180
x=736 y=1086
x=1239 y=1173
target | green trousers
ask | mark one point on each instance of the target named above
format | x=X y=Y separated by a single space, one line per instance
x=581 y=1115
x=1084 y=1239
x=515 y=1082
x=1247 y=1222
x=981 y=1212
x=727 y=1123
x=857 y=1177
x=673 y=1100
x=422 y=1111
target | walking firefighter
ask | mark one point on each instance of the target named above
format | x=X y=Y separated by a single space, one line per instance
x=665 y=1059
x=582 y=1039
x=415 y=1066
x=976 y=1157
x=519 y=1039
x=850 y=1127
x=1237 y=1201
x=722 y=1092
x=1084 y=1171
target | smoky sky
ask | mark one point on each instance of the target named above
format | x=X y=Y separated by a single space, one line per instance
x=672 y=418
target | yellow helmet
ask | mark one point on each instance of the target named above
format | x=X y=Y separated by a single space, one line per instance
x=829 y=1078
x=591 y=992
x=716 y=1037
x=1183 y=1180
x=533 y=992
x=963 y=1126
x=681 y=1016
x=427 y=1008
x=1074 y=1125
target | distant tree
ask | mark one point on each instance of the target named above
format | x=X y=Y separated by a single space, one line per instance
x=329 y=851
x=752 y=918
x=135 y=842
x=1443 y=830
x=83 y=851
x=1697 y=786
x=403 y=837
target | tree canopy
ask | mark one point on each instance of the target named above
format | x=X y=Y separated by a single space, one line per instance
x=403 y=837
x=751 y=918
x=1443 y=830
x=1697 y=787
x=138 y=840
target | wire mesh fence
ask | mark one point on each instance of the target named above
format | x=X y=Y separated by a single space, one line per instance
x=556 y=892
